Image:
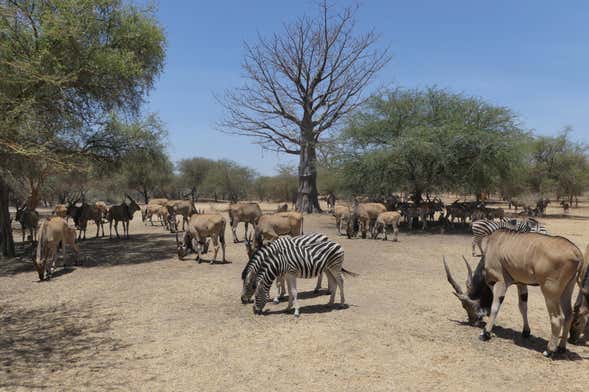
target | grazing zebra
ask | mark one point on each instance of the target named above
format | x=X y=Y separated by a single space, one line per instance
x=259 y=257
x=483 y=228
x=301 y=262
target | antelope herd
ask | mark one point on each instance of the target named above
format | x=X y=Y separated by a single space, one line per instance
x=518 y=249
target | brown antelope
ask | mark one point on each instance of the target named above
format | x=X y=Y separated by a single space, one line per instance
x=185 y=208
x=342 y=218
x=200 y=228
x=60 y=210
x=384 y=221
x=86 y=213
x=270 y=227
x=149 y=211
x=523 y=259
x=52 y=232
x=122 y=213
x=363 y=216
x=161 y=201
x=249 y=213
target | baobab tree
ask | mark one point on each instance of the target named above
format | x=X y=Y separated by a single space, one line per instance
x=299 y=84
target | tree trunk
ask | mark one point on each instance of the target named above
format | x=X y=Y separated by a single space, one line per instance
x=6 y=240
x=145 y=196
x=307 y=195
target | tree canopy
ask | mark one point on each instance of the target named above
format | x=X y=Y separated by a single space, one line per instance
x=422 y=141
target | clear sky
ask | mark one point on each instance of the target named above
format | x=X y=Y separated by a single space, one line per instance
x=532 y=56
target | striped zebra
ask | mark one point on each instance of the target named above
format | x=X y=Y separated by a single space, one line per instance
x=483 y=228
x=301 y=262
x=257 y=259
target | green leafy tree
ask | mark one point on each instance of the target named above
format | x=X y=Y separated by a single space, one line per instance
x=192 y=174
x=68 y=69
x=426 y=141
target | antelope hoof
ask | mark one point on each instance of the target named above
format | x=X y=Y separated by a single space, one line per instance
x=276 y=301
x=212 y=262
x=485 y=336
x=526 y=333
x=561 y=350
x=296 y=313
x=548 y=354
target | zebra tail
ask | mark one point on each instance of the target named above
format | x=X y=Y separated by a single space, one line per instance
x=349 y=273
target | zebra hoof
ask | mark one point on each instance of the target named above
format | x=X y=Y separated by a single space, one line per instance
x=561 y=350
x=485 y=336
x=548 y=354
x=526 y=333
x=276 y=301
x=296 y=313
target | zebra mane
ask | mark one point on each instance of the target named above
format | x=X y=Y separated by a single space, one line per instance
x=256 y=258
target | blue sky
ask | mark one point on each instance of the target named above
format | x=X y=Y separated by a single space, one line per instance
x=531 y=56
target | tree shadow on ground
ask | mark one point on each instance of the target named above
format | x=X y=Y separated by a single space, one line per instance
x=37 y=342
x=102 y=251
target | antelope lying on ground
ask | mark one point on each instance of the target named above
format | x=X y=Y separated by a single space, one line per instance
x=200 y=228
x=122 y=213
x=363 y=216
x=28 y=219
x=52 y=232
x=384 y=221
x=270 y=227
x=553 y=263
x=249 y=213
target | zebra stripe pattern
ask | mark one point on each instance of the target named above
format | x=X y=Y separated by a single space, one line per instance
x=302 y=262
x=248 y=275
x=484 y=228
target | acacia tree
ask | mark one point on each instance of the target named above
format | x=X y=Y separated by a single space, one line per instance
x=422 y=141
x=193 y=172
x=300 y=83
x=68 y=69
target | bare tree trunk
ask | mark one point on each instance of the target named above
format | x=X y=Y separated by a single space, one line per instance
x=145 y=195
x=307 y=197
x=6 y=240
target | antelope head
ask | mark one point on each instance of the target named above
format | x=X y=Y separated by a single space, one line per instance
x=478 y=297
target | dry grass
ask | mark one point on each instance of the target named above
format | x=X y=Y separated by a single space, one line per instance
x=136 y=318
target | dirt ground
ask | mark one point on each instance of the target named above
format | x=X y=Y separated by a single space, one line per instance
x=134 y=317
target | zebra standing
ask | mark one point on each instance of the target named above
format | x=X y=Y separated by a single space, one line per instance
x=248 y=275
x=483 y=228
x=301 y=262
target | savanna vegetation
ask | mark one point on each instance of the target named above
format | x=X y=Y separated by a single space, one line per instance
x=74 y=76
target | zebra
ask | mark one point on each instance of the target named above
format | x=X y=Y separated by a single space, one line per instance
x=483 y=228
x=248 y=275
x=301 y=262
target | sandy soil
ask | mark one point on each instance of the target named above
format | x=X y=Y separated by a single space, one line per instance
x=136 y=318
